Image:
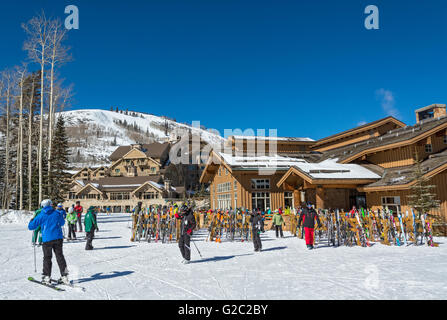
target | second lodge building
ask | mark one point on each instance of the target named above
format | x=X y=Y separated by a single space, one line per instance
x=370 y=166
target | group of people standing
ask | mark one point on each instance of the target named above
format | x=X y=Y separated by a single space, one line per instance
x=47 y=224
x=307 y=219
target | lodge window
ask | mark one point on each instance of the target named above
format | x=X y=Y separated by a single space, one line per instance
x=288 y=199
x=260 y=183
x=226 y=171
x=260 y=200
x=391 y=203
x=71 y=195
x=149 y=195
x=445 y=139
x=428 y=148
x=235 y=200
x=224 y=187
x=92 y=196
x=153 y=170
x=119 y=196
x=224 y=201
x=117 y=170
x=235 y=185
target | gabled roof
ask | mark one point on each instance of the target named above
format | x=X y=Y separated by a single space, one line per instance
x=393 y=139
x=99 y=168
x=282 y=139
x=402 y=177
x=90 y=185
x=80 y=170
x=152 y=150
x=359 y=129
x=330 y=171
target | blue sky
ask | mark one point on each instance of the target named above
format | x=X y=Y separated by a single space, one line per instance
x=307 y=68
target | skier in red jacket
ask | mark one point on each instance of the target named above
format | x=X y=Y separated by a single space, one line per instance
x=78 y=209
x=307 y=217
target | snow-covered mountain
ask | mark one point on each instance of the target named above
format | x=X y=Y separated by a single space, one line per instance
x=94 y=133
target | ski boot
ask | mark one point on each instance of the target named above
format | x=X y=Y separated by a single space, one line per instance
x=46 y=280
x=64 y=280
x=186 y=261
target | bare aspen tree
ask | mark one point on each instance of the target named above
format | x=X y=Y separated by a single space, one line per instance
x=57 y=56
x=8 y=84
x=2 y=109
x=21 y=75
x=37 y=46
x=30 y=144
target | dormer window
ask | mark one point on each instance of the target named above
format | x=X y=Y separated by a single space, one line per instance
x=428 y=148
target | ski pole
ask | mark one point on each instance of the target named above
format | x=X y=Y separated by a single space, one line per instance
x=197 y=248
x=35 y=268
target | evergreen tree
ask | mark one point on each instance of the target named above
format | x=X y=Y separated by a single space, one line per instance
x=422 y=198
x=59 y=181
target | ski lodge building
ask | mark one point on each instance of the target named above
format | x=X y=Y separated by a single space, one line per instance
x=370 y=166
x=137 y=173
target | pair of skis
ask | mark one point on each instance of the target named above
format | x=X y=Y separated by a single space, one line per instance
x=54 y=285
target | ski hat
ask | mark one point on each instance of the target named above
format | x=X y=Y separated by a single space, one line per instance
x=59 y=205
x=46 y=203
x=70 y=210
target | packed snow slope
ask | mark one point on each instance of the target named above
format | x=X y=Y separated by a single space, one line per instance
x=95 y=133
x=285 y=269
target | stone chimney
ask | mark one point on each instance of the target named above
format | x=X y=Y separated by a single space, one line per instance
x=137 y=146
x=167 y=184
x=432 y=111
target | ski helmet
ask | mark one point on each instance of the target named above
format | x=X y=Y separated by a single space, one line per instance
x=46 y=203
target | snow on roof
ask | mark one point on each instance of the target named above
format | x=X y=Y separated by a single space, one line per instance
x=120 y=185
x=272 y=138
x=81 y=182
x=330 y=169
x=274 y=161
x=157 y=185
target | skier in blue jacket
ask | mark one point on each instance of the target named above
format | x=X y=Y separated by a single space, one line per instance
x=51 y=221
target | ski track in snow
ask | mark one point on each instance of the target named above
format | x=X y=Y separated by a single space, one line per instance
x=285 y=269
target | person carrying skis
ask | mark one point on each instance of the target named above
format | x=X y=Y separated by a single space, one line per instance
x=71 y=219
x=307 y=217
x=51 y=223
x=90 y=226
x=278 y=221
x=188 y=224
x=78 y=209
x=257 y=224
x=37 y=234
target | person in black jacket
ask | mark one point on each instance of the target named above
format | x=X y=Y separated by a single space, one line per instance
x=257 y=226
x=187 y=226
x=307 y=217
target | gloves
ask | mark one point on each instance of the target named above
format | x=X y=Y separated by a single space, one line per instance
x=97 y=229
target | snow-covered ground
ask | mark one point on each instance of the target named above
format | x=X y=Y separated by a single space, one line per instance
x=120 y=269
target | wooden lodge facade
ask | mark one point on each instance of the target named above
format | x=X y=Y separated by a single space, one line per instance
x=368 y=166
x=137 y=173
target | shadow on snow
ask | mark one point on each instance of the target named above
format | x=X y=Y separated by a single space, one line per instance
x=100 y=276
x=221 y=258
